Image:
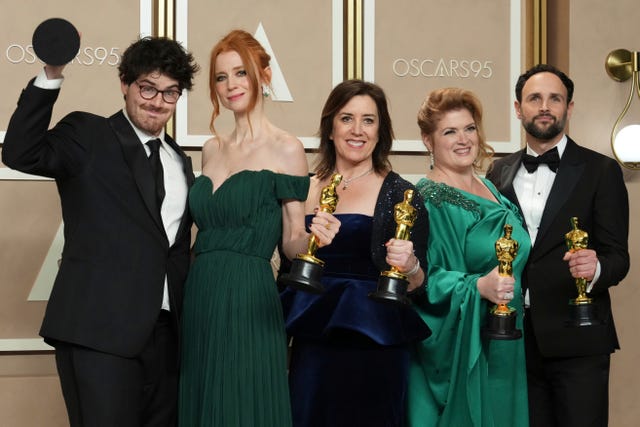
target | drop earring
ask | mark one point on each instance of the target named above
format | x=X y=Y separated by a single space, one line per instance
x=265 y=91
x=432 y=160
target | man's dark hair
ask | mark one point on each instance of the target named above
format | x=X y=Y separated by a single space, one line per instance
x=158 y=54
x=544 y=68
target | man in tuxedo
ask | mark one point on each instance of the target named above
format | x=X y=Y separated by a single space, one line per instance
x=114 y=310
x=552 y=180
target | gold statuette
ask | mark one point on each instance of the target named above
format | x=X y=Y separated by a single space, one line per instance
x=306 y=269
x=392 y=284
x=583 y=312
x=501 y=320
x=328 y=203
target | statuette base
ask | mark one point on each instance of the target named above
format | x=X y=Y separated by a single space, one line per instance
x=501 y=326
x=305 y=274
x=392 y=288
x=582 y=314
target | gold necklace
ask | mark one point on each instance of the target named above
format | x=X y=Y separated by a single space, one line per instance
x=346 y=182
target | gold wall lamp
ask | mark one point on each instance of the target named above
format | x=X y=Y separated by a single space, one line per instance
x=621 y=65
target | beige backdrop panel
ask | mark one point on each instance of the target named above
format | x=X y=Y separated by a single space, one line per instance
x=425 y=45
x=30 y=218
x=596 y=28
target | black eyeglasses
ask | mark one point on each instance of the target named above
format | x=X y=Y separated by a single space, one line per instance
x=149 y=92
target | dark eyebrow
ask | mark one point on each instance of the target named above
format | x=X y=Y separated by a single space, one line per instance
x=153 y=84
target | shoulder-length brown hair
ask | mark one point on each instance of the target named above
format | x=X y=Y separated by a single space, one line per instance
x=338 y=98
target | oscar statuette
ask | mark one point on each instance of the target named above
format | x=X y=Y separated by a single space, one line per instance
x=582 y=310
x=501 y=319
x=392 y=284
x=306 y=269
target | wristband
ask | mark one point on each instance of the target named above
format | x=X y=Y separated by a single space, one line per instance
x=414 y=269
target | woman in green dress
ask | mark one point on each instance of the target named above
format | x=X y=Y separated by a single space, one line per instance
x=457 y=376
x=250 y=195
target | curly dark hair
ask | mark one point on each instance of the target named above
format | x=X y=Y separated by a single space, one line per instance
x=338 y=98
x=158 y=54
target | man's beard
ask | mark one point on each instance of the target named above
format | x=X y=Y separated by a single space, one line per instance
x=555 y=129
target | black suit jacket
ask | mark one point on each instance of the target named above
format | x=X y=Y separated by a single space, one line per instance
x=108 y=291
x=590 y=186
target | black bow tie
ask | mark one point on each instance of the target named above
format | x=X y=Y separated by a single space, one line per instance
x=551 y=158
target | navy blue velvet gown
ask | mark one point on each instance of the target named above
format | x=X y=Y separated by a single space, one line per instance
x=350 y=358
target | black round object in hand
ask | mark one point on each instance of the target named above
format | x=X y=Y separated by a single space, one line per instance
x=56 y=41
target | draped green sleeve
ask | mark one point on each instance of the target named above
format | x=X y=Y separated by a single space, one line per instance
x=450 y=383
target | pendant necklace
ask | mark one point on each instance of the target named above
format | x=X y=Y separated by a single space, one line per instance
x=346 y=182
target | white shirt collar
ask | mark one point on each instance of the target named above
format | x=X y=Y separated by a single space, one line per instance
x=562 y=144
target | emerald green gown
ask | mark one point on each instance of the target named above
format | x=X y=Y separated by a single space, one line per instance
x=457 y=378
x=233 y=367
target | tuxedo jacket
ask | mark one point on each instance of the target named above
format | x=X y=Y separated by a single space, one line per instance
x=589 y=186
x=108 y=291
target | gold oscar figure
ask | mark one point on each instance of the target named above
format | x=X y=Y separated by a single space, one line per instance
x=392 y=284
x=501 y=320
x=583 y=312
x=306 y=269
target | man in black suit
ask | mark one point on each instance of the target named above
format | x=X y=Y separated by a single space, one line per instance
x=114 y=310
x=552 y=180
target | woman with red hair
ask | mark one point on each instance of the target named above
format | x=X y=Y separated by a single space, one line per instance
x=250 y=195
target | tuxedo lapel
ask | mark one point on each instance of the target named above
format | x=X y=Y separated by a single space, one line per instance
x=507 y=173
x=138 y=163
x=569 y=173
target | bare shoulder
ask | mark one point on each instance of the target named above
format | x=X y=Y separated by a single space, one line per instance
x=288 y=142
x=210 y=150
x=290 y=153
x=211 y=144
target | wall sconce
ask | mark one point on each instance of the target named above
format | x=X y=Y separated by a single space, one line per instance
x=621 y=65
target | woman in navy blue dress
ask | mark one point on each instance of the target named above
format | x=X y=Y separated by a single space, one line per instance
x=349 y=360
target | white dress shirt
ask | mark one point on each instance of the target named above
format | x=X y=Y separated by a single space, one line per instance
x=175 y=185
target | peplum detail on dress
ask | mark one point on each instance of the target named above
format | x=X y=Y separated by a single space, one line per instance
x=349 y=276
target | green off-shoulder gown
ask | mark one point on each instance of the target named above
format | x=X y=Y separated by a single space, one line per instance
x=233 y=367
x=458 y=378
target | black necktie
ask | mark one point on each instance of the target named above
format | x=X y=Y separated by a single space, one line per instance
x=551 y=158
x=156 y=169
